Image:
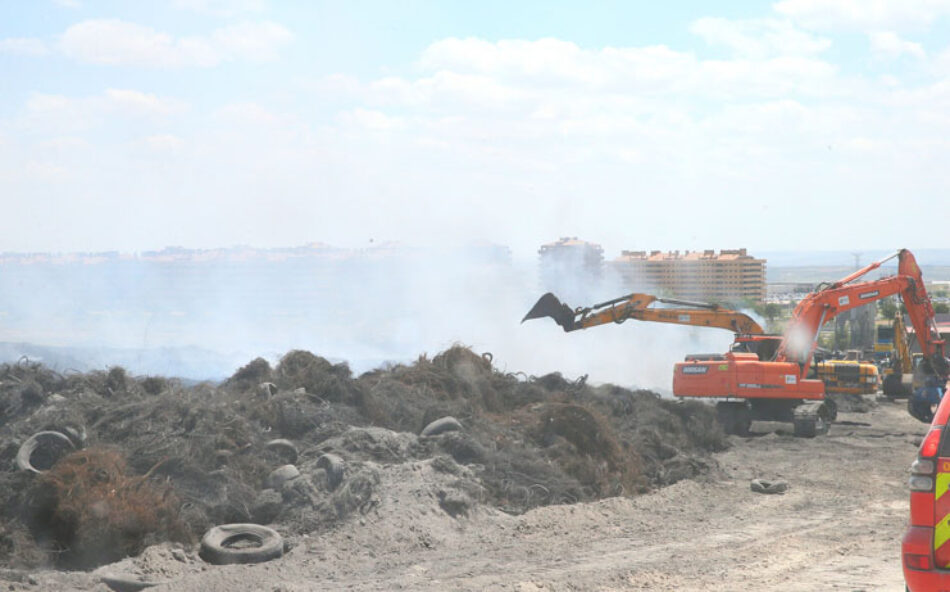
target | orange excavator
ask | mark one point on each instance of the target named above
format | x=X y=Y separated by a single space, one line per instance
x=639 y=307
x=750 y=337
x=779 y=389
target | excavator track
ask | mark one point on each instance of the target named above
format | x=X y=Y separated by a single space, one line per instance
x=813 y=418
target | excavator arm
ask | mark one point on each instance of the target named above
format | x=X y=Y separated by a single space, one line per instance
x=820 y=307
x=843 y=295
x=901 y=348
x=639 y=307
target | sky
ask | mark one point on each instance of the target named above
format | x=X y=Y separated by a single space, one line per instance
x=797 y=124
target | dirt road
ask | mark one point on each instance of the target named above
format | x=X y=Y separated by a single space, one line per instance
x=837 y=528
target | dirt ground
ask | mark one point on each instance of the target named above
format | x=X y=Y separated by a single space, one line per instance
x=837 y=528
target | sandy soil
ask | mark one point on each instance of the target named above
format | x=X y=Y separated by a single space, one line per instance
x=837 y=528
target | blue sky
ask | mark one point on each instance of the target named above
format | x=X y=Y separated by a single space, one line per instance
x=773 y=125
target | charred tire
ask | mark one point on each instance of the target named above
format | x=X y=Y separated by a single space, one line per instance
x=216 y=549
x=283 y=448
x=46 y=441
x=442 y=425
x=334 y=467
x=768 y=487
x=76 y=434
x=130 y=584
x=281 y=475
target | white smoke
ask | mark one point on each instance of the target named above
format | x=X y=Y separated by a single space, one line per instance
x=365 y=307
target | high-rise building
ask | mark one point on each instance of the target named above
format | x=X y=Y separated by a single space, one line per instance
x=729 y=275
x=571 y=268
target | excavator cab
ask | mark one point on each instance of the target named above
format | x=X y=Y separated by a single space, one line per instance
x=763 y=346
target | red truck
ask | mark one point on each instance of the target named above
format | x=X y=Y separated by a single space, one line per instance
x=925 y=550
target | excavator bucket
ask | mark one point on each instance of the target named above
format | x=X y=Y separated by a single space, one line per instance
x=549 y=306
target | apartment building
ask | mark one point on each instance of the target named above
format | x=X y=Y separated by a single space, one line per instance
x=729 y=275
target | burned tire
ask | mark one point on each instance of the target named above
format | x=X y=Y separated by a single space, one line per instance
x=334 y=466
x=241 y=543
x=768 y=487
x=281 y=475
x=283 y=448
x=129 y=583
x=41 y=451
x=442 y=425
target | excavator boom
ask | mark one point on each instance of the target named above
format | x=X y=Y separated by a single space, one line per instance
x=638 y=307
x=818 y=308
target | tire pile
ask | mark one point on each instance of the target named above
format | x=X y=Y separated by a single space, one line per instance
x=299 y=447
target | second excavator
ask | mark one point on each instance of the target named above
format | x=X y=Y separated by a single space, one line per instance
x=640 y=307
x=749 y=388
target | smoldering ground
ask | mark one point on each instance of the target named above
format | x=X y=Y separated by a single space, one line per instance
x=160 y=461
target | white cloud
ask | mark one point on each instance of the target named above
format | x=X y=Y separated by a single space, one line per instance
x=119 y=43
x=23 y=46
x=864 y=14
x=523 y=140
x=888 y=44
x=256 y=42
x=243 y=113
x=507 y=72
x=60 y=114
x=223 y=8
x=163 y=142
x=65 y=144
x=759 y=38
x=372 y=120
x=138 y=103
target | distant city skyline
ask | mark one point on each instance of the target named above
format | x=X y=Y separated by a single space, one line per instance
x=786 y=258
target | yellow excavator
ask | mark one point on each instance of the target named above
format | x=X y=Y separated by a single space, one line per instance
x=855 y=377
x=851 y=375
x=899 y=379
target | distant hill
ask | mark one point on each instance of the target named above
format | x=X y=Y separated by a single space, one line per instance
x=845 y=259
x=817 y=273
x=822 y=266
